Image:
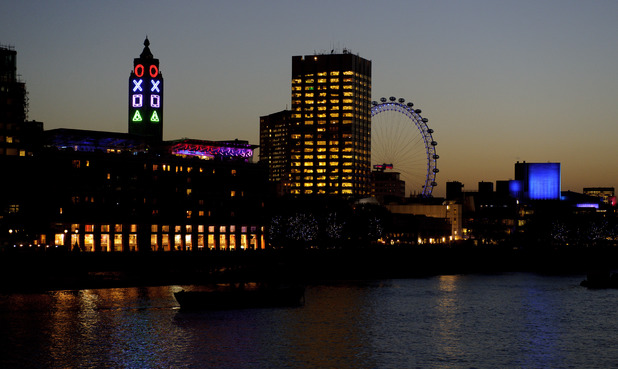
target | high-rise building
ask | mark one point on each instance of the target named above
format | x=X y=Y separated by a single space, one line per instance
x=330 y=130
x=274 y=146
x=18 y=137
x=146 y=96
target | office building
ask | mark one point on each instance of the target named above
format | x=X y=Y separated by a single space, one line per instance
x=275 y=147
x=330 y=130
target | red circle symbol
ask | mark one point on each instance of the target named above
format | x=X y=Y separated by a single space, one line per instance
x=154 y=71
x=139 y=70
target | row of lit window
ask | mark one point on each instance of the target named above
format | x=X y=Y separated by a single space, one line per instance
x=320 y=171
x=321 y=163
x=324 y=94
x=366 y=116
x=321 y=192
x=332 y=115
x=321 y=184
x=332 y=178
x=331 y=87
x=188 y=228
x=336 y=73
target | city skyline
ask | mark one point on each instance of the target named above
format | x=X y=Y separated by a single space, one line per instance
x=499 y=83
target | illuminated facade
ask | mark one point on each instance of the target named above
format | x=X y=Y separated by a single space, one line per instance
x=146 y=96
x=127 y=202
x=537 y=181
x=606 y=194
x=330 y=131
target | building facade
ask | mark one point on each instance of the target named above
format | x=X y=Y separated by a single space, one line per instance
x=18 y=137
x=275 y=147
x=330 y=131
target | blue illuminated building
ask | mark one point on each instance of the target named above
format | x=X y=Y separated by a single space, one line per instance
x=536 y=181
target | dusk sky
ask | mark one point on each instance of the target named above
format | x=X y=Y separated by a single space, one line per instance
x=500 y=81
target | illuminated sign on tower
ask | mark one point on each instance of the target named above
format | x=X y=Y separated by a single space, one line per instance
x=146 y=96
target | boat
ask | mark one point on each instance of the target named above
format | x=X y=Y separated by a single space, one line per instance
x=600 y=280
x=235 y=297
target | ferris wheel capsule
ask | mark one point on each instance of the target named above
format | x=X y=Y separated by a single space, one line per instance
x=429 y=130
x=410 y=104
x=401 y=100
x=425 y=120
x=392 y=98
x=418 y=111
x=383 y=99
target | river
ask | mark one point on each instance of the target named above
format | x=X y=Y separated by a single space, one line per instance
x=510 y=320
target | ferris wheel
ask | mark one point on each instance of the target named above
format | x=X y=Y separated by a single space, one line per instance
x=402 y=142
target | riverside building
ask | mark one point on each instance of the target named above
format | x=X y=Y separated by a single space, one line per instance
x=96 y=191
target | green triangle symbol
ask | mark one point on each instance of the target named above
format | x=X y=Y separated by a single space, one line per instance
x=137 y=116
x=155 y=117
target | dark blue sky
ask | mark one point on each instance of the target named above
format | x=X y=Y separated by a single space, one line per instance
x=500 y=81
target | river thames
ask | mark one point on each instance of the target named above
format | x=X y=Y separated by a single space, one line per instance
x=510 y=320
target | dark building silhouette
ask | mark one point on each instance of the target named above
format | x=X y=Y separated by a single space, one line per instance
x=387 y=186
x=275 y=148
x=18 y=137
x=454 y=191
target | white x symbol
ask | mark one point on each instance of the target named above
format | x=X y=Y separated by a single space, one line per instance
x=155 y=86
x=137 y=85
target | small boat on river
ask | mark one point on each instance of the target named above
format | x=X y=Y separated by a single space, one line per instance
x=600 y=280
x=240 y=297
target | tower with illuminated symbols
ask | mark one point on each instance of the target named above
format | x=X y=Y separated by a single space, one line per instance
x=146 y=96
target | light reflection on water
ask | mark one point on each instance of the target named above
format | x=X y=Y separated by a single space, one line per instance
x=506 y=321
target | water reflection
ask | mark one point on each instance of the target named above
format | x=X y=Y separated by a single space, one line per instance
x=332 y=330
x=448 y=319
x=501 y=321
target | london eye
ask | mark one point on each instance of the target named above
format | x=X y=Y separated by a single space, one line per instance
x=402 y=142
